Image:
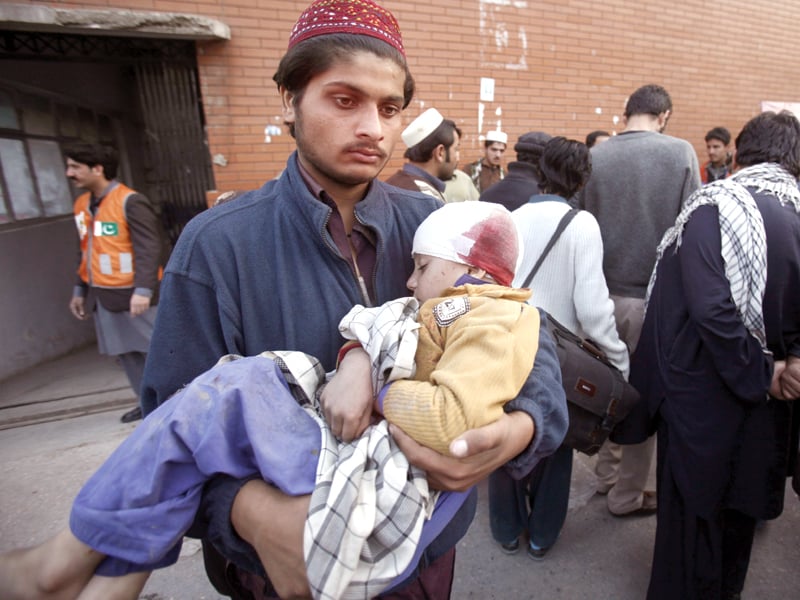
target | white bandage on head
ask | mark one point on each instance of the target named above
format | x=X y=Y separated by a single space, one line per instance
x=478 y=234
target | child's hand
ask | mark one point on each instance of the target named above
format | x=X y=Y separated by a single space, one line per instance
x=347 y=398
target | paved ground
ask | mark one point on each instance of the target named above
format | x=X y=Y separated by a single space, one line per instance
x=59 y=421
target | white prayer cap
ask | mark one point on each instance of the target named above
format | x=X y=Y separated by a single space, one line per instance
x=497 y=136
x=421 y=127
x=478 y=234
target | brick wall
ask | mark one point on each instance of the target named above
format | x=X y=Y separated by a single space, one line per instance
x=563 y=66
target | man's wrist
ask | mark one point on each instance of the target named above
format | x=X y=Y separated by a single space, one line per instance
x=145 y=292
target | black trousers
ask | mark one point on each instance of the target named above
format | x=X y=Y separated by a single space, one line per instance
x=696 y=558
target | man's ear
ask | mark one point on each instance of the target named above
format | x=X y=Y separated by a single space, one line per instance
x=439 y=153
x=663 y=118
x=287 y=105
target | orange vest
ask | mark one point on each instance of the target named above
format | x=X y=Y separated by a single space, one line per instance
x=106 y=248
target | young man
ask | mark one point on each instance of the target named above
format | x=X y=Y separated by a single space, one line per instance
x=122 y=255
x=598 y=136
x=432 y=149
x=476 y=346
x=279 y=267
x=720 y=160
x=488 y=170
x=640 y=180
x=522 y=181
x=716 y=360
x=570 y=286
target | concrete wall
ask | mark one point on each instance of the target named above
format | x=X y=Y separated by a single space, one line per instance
x=38 y=269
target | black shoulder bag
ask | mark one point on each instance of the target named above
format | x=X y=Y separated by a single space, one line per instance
x=598 y=396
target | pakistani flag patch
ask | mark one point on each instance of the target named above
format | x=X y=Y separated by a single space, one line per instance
x=105 y=228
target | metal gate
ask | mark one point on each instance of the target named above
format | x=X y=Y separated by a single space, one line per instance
x=169 y=135
x=177 y=166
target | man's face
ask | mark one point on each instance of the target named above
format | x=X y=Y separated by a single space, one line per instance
x=433 y=275
x=494 y=153
x=452 y=156
x=717 y=152
x=81 y=175
x=348 y=121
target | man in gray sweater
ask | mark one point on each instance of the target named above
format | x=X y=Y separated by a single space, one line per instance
x=640 y=179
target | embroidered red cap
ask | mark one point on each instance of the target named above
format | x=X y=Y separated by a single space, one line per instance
x=359 y=17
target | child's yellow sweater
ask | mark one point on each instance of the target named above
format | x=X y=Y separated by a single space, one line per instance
x=476 y=349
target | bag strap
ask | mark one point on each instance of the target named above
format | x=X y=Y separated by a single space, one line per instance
x=562 y=225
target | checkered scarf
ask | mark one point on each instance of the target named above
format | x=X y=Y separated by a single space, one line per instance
x=744 y=242
x=369 y=503
x=389 y=335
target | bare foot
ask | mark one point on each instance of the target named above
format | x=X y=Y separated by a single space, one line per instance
x=57 y=569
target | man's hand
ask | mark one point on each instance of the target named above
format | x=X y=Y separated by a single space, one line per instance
x=775 y=387
x=476 y=453
x=790 y=378
x=273 y=524
x=139 y=304
x=76 y=305
x=347 y=398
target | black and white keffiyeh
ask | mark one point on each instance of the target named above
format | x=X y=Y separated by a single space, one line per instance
x=744 y=243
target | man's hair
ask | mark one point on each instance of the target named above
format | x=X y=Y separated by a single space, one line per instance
x=316 y=55
x=591 y=138
x=649 y=99
x=565 y=167
x=444 y=134
x=487 y=143
x=93 y=154
x=770 y=137
x=719 y=133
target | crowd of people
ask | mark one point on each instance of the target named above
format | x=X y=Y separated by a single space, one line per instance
x=334 y=377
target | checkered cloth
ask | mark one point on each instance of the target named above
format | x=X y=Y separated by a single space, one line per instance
x=743 y=239
x=389 y=335
x=369 y=504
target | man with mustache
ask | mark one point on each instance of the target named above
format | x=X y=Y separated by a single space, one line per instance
x=280 y=266
x=432 y=144
x=122 y=252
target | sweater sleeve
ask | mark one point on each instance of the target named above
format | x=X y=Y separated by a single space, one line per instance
x=180 y=348
x=197 y=321
x=146 y=238
x=594 y=308
x=487 y=357
x=693 y=180
x=542 y=397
